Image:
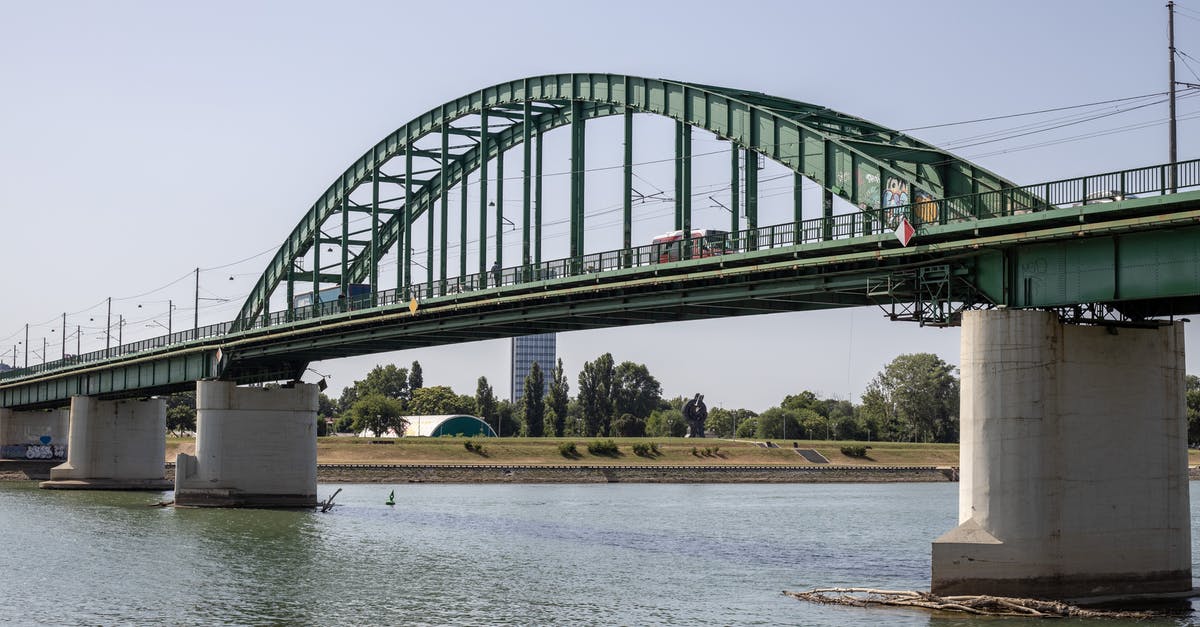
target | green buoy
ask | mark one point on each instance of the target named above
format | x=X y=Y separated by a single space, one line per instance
x=391 y=498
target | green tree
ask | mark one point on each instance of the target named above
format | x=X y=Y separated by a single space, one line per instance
x=914 y=398
x=634 y=390
x=325 y=406
x=778 y=423
x=322 y=426
x=558 y=397
x=378 y=413
x=508 y=418
x=388 y=381
x=629 y=426
x=1192 y=386
x=531 y=399
x=748 y=427
x=803 y=400
x=485 y=402
x=349 y=395
x=550 y=422
x=595 y=394
x=439 y=400
x=344 y=423
x=724 y=422
x=666 y=423
x=181 y=413
x=573 y=423
x=813 y=425
x=416 y=380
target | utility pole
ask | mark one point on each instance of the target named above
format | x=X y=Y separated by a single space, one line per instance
x=1171 y=78
x=78 y=339
x=108 y=329
x=26 y=344
x=120 y=330
x=170 y=310
x=196 y=321
x=64 y=336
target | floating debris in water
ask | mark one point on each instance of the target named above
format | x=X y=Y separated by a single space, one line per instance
x=981 y=605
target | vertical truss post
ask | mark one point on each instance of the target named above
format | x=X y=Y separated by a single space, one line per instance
x=403 y=266
x=627 y=199
x=686 y=179
x=797 y=207
x=429 y=229
x=527 y=154
x=291 y=278
x=751 y=158
x=462 y=233
x=483 y=191
x=537 y=201
x=678 y=175
x=577 y=184
x=374 y=237
x=499 y=211
x=316 y=269
x=444 y=201
x=266 y=313
x=345 y=282
x=404 y=281
x=827 y=215
x=735 y=183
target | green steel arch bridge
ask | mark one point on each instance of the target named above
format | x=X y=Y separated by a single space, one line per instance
x=1117 y=248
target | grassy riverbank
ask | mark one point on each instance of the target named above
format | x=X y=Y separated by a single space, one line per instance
x=672 y=452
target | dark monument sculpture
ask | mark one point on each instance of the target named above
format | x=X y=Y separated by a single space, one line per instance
x=695 y=412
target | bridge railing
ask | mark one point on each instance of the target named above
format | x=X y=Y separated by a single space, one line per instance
x=1098 y=188
x=1084 y=190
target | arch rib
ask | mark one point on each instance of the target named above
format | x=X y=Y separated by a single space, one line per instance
x=867 y=164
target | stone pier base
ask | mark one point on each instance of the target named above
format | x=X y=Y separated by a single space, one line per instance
x=114 y=445
x=1074 y=477
x=255 y=447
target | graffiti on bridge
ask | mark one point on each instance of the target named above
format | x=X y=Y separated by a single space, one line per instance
x=33 y=451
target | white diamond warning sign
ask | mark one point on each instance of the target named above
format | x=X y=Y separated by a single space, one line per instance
x=905 y=232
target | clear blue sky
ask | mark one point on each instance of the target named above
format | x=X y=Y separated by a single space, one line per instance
x=139 y=140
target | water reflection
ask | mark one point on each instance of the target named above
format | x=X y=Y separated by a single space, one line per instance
x=462 y=554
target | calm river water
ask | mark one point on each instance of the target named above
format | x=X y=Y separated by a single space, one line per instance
x=622 y=554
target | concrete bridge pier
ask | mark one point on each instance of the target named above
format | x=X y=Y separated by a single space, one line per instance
x=45 y=431
x=255 y=447
x=1074 y=476
x=114 y=445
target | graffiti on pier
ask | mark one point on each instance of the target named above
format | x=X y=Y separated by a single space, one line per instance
x=33 y=451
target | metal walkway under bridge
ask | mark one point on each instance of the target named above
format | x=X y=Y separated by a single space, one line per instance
x=1119 y=248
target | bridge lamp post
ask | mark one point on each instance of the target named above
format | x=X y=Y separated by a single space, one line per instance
x=170 y=311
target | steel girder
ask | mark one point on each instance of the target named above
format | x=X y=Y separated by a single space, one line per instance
x=868 y=164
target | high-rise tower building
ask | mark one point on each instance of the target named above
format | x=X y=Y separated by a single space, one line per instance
x=541 y=348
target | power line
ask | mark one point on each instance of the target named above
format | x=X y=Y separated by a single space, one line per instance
x=1040 y=111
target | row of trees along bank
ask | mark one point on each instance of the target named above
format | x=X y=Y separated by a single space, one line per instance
x=914 y=398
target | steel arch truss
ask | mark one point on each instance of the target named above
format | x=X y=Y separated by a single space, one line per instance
x=868 y=165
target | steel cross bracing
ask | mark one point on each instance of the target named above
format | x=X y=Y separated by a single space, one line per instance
x=865 y=163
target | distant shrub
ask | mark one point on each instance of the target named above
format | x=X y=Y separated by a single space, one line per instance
x=567 y=449
x=654 y=448
x=475 y=447
x=642 y=449
x=695 y=451
x=854 y=451
x=604 y=448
